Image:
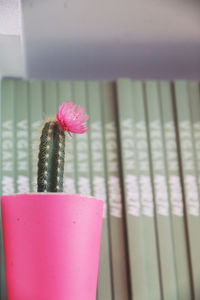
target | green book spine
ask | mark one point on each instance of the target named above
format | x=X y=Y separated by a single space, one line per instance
x=22 y=137
x=65 y=95
x=99 y=185
x=50 y=99
x=2 y=263
x=114 y=194
x=0 y=136
x=7 y=138
x=160 y=187
x=36 y=116
x=145 y=193
x=194 y=94
x=175 y=192
x=7 y=159
x=82 y=153
x=189 y=175
x=131 y=191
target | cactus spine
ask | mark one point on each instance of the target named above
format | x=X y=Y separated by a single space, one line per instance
x=51 y=158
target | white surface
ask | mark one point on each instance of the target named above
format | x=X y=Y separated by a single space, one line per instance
x=10 y=23
x=112 y=38
x=121 y=20
x=76 y=39
x=11 y=57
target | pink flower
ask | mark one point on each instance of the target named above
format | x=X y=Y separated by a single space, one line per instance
x=71 y=119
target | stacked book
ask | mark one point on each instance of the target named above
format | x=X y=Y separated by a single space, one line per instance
x=141 y=155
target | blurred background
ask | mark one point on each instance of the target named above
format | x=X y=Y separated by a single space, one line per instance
x=135 y=68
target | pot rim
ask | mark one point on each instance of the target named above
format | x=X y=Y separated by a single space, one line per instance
x=53 y=193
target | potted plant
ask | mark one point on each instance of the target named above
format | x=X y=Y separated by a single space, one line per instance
x=52 y=239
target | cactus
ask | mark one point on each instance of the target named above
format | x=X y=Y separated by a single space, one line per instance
x=52 y=146
x=51 y=158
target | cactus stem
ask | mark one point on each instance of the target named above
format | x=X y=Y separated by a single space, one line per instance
x=51 y=163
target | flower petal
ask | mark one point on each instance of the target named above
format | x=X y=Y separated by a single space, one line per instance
x=71 y=118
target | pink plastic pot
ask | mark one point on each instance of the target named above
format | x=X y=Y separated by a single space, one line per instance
x=51 y=244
